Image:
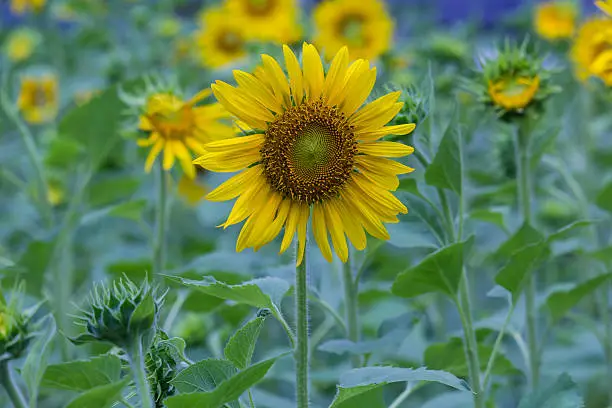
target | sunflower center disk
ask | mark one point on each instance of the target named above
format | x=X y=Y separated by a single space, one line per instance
x=308 y=153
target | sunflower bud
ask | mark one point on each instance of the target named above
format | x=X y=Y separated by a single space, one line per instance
x=14 y=327
x=513 y=80
x=163 y=362
x=120 y=314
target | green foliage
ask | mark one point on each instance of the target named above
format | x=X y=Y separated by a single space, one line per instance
x=563 y=393
x=240 y=347
x=102 y=396
x=561 y=302
x=82 y=375
x=445 y=171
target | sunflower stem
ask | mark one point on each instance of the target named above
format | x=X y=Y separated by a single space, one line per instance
x=159 y=246
x=350 y=307
x=301 y=318
x=524 y=194
x=8 y=382
x=136 y=358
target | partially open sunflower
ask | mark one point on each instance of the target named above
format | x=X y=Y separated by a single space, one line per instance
x=311 y=147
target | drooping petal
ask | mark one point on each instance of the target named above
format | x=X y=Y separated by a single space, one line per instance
x=319 y=231
x=290 y=226
x=336 y=231
x=352 y=227
x=235 y=186
x=304 y=214
x=376 y=196
x=157 y=147
x=184 y=158
x=368 y=219
x=168 y=156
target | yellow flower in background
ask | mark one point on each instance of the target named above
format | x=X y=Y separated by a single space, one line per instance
x=191 y=190
x=514 y=93
x=23 y=6
x=55 y=194
x=38 y=98
x=314 y=148
x=221 y=40
x=179 y=128
x=605 y=6
x=267 y=20
x=362 y=25
x=555 y=20
x=592 y=50
x=20 y=44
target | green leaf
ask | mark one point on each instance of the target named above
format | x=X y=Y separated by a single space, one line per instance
x=563 y=393
x=514 y=274
x=204 y=375
x=361 y=397
x=95 y=125
x=240 y=347
x=131 y=210
x=409 y=185
x=559 y=303
x=445 y=169
x=450 y=356
x=100 y=397
x=31 y=267
x=36 y=361
x=83 y=374
x=438 y=272
x=524 y=236
x=489 y=216
x=362 y=380
x=568 y=230
x=144 y=315
x=112 y=190
x=229 y=390
x=604 y=198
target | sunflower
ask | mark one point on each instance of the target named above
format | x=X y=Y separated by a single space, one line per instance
x=179 y=128
x=605 y=6
x=191 y=190
x=514 y=93
x=267 y=20
x=311 y=146
x=555 y=20
x=221 y=40
x=364 y=26
x=22 y=6
x=592 y=50
x=20 y=44
x=38 y=98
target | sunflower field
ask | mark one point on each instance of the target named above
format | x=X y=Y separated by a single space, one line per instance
x=306 y=203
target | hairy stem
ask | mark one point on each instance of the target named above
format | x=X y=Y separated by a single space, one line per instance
x=350 y=307
x=524 y=194
x=159 y=246
x=136 y=357
x=8 y=382
x=301 y=318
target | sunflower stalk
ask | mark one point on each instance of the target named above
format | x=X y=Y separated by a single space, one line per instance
x=524 y=194
x=136 y=358
x=301 y=349
x=159 y=246
x=351 y=306
x=8 y=382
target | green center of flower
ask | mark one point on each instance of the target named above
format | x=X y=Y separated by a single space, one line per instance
x=308 y=153
x=351 y=28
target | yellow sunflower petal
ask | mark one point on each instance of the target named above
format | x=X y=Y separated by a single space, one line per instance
x=382 y=165
x=385 y=149
x=157 y=147
x=290 y=227
x=302 y=223
x=380 y=120
x=227 y=162
x=376 y=196
x=334 y=81
x=352 y=227
x=398 y=130
x=277 y=225
x=235 y=186
x=184 y=158
x=277 y=79
x=258 y=223
x=195 y=145
x=255 y=89
x=375 y=108
x=357 y=95
x=245 y=204
x=295 y=75
x=203 y=94
x=313 y=71
x=336 y=230
x=319 y=230
x=148 y=141
x=360 y=210
x=234 y=144
x=168 y=156
x=239 y=106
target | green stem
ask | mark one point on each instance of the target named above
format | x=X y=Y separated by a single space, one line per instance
x=159 y=246
x=8 y=382
x=524 y=193
x=450 y=225
x=33 y=156
x=301 y=349
x=496 y=346
x=402 y=397
x=471 y=345
x=350 y=307
x=251 y=402
x=136 y=357
x=607 y=319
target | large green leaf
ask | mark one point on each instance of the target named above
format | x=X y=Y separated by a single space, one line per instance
x=100 y=397
x=438 y=272
x=514 y=274
x=227 y=391
x=36 y=361
x=563 y=393
x=450 y=356
x=559 y=303
x=361 y=380
x=446 y=168
x=205 y=375
x=83 y=374
x=240 y=347
x=524 y=236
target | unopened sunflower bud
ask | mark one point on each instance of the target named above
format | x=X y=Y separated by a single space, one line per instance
x=14 y=327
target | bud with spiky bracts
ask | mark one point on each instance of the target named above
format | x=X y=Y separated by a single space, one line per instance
x=513 y=80
x=120 y=314
x=14 y=326
x=163 y=362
